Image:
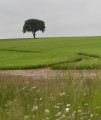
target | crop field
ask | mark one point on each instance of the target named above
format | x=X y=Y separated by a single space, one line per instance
x=58 y=53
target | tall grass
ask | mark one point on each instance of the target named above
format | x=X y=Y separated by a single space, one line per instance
x=72 y=97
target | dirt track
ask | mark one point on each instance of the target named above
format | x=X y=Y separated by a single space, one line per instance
x=33 y=73
x=48 y=73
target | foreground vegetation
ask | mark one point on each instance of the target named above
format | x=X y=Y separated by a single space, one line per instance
x=30 y=53
x=74 y=97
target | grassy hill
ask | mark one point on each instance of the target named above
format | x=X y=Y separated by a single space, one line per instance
x=34 y=53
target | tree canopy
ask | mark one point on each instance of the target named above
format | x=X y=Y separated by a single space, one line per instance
x=33 y=25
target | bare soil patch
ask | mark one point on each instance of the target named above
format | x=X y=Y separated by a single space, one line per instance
x=47 y=73
x=32 y=73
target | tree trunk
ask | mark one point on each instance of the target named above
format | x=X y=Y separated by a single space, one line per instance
x=34 y=35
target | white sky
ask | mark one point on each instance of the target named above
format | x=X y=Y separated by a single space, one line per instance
x=62 y=17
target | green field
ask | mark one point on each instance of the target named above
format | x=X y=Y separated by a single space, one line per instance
x=59 y=53
x=72 y=95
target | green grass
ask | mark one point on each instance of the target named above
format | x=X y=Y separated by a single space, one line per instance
x=87 y=64
x=36 y=53
x=49 y=99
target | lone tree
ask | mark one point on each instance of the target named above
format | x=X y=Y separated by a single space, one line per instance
x=33 y=25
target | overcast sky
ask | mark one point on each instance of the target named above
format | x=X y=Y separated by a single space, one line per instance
x=62 y=17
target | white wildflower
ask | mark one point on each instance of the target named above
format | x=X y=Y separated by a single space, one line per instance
x=57 y=106
x=91 y=115
x=86 y=104
x=82 y=113
x=34 y=108
x=58 y=114
x=67 y=109
x=79 y=111
x=27 y=82
x=97 y=107
x=63 y=116
x=62 y=94
x=40 y=99
x=47 y=118
x=24 y=88
x=73 y=115
x=74 y=112
x=47 y=111
x=26 y=117
x=33 y=87
x=5 y=105
x=81 y=118
x=68 y=105
x=35 y=99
